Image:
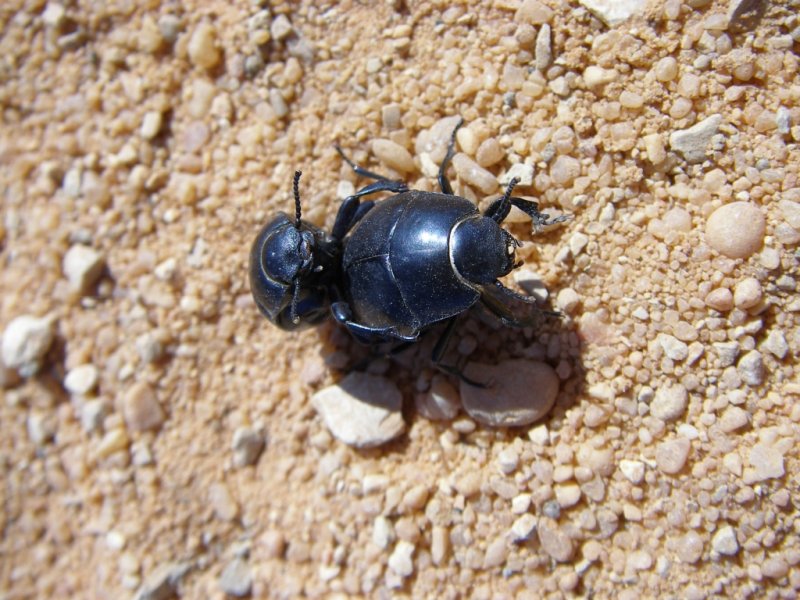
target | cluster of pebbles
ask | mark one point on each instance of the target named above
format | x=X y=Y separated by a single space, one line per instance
x=159 y=438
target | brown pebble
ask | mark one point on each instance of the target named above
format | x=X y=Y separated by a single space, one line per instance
x=141 y=408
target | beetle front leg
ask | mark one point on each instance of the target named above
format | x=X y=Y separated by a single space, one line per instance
x=498 y=210
x=444 y=183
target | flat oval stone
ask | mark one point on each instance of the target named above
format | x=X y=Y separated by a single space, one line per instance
x=518 y=392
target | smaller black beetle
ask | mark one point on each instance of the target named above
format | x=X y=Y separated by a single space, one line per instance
x=391 y=270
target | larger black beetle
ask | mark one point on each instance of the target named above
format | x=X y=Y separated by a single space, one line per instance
x=388 y=271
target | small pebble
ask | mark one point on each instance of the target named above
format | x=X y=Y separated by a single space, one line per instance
x=720 y=299
x=564 y=170
x=671 y=455
x=520 y=171
x=724 y=541
x=543 y=50
x=489 y=152
x=633 y=470
x=247 y=445
x=441 y=402
x=281 y=27
x=236 y=579
x=776 y=344
x=400 y=561
x=523 y=528
x=82 y=267
x=614 y=12
x=202 y=48
x=151 y=124
x=26 y=341
x=693 y=143
x=555 y=541
x=774 y=567
x=362 y=410
x=81 y=380
x=141 y=409
x=747 y=293
x=162 y=583
x=766 y=461
x=393 y=155
x=473 y=174
x=736 y=230
x=669 y=403
x=221 y=501
x=520 y=393
x=733 y=418
x=751 y=368
x=690 y=547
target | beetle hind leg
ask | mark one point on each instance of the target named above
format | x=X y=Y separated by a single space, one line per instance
x=513 y=309
x=438 y=354
x=444 y=183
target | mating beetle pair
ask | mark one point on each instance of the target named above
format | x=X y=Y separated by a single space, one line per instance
x=389 y=271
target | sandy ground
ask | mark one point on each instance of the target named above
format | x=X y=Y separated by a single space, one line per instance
x=162 y=135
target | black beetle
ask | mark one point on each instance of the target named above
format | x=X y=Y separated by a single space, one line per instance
x=389 y=271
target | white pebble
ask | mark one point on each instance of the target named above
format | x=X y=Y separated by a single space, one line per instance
x=614 y=12
x=26 y=341
x=81 y=380
x=522 y=529
x=766 y=461
x=400 y=561
x=508 y=460
x=733 y=418
x=669 y=403
x=82 y=267
x=747 y=293
x=633 y=470
x=151 y=124
x=736 y=229
x=568 y=300
x=473 y=174
x=521 y=171
x=776 y=344
x=362 y=410
x=564 y=170
x=724 y=541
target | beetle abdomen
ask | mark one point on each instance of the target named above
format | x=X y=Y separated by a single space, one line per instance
x=397 y=268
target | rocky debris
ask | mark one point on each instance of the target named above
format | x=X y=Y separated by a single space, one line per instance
x=724 y=541
x=733 y=419
x=82 y=267
x=224 y=505
x=362 y=410
x=543 y=52
x=163 y=582
x=751 y=368
x=518 y=392
x=693 y=143
x=736 y=229
x=614 y=12
x=393 y=155
x=669 y=402
x=82 y=379
x=766 y=462
x=671 y=455
x=554 y=540
x=247 y=446
x=401 y=560
x=141 y=408
x=523 y=528
x=633 y=470
x=26 y=341
x=776 y=344
x=236 y=578
x=203 y=51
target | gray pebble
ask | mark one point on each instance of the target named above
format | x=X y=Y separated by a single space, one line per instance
x=236 y=579
x=162 y=583
x=693 y=143
x=518 y=392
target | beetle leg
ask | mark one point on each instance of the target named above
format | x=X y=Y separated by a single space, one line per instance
x=444 y=183
x=352 y=210
x=502 y=302
x=360 y=170
x=529 y=207
x=438 y=354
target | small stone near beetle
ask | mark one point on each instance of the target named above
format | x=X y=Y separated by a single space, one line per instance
x=519 y=392
x=736 y=230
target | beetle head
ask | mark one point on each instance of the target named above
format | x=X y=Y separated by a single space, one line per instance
x=283 y=273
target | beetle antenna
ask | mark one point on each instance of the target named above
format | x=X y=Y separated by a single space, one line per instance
x=502 y=209
x=296 y=189
x=293 y=308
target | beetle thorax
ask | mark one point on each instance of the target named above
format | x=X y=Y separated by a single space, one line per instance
x=481 y=251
